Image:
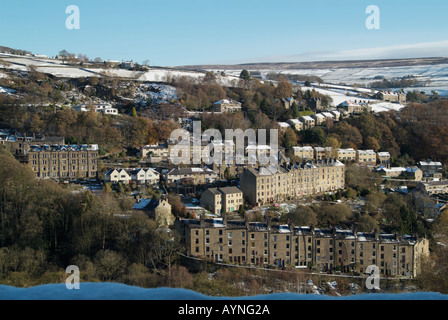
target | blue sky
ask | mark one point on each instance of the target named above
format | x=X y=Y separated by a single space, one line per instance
x=182 y=32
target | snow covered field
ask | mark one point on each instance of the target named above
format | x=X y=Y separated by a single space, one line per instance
x=340 y=96
x=116 y=291
x=437 y=75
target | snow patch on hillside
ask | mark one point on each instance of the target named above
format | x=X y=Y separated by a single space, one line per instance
x=158 y=93
x=165 y=75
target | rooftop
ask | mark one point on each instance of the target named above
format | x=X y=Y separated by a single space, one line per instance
x=190 y=171
x=46 y=147
x=346 y=234
x=230 y=190
x=366 y=152
x=226 y=101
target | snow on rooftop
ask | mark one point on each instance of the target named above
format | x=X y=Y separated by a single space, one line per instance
x=218 y=223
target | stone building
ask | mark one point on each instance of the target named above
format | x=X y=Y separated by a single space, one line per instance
x=222 y=200
x=321 y=153
x=266 y=245
x=432 y=170
x=315 y=104
x=291 y=181
x=384 y=159
x=195 y=175
x=305 y=152
x=157 y=209
x=366 y=157
x=227 y=105
x=347 y=155
x=296 y=124
x=319 y=119
x=156 y=152
x=308 y=122
x=390 y=96
x=69 y=162
x=433 y=187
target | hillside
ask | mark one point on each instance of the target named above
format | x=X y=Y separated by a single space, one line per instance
x=387 y=63
x=429 y=73
x=62 y=69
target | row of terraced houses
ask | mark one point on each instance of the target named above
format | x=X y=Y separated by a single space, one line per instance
x=265 y=244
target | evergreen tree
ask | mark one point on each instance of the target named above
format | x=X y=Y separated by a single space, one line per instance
x=245 y=75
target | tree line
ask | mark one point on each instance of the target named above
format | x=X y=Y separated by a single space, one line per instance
x=45 y=227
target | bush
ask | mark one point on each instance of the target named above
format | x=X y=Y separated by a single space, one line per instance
x=109 y=265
